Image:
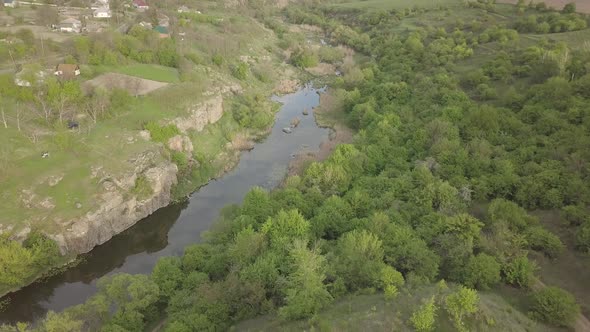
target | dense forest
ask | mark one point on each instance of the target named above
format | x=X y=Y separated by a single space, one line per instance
x=456 y=146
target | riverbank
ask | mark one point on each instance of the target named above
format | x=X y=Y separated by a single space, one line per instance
x=169 y=230
x=329 y=114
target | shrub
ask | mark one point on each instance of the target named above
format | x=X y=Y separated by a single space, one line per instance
x=331 y=54
x=583 y=237
x=424 y=318
x=180 y=159
x=483 y=271
x=520 y=272
x=555 y=306
x=142 y=188
x=460 y=304
x=217 y=59
x=240 y=71
x=304 y=58
x=542 y=240
x=161 y=133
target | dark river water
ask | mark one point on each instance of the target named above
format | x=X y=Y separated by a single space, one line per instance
x=170 y=229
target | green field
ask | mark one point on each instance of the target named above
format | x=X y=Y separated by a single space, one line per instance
x=146 y=71
x=374 y=313
x=150 y=72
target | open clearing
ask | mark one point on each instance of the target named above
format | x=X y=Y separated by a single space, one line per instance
x=134 y=85
x=583 y=6
x=150 y=72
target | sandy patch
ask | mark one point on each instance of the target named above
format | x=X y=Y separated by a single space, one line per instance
x=134 y=85
x=583 y=6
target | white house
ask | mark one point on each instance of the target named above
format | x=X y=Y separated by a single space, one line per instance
x=70 y=25
x=10 y=3
x=102 y=13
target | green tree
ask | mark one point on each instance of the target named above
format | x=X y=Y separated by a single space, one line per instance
x=306 y=291
x=460 y=304
x=555 y=306
x=167 y=274
x=520 y=272
x=483 y=271
x=359 y=259
x=64 y=322
x=569 y=8
x=258 y=205
x=424 y=319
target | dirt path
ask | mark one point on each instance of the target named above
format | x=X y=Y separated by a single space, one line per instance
x=582 y=324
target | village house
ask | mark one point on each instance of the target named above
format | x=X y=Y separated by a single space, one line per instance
x=140 y=5
x=67 y=71
x=162 y=31
x=163 y=20
x=70 y=24
x=10 y=3
x=102 y=13
x=99 y=4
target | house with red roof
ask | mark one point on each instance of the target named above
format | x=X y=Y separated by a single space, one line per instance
x=140 y=5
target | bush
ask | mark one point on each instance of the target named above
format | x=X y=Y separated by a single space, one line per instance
x=161 y=133
x=542 y=240
x=583 y=237
x=424 y=318
x=180 y=159
x=142 y=188
x=331 y=54
x=240 y=71
x=217 y=59
x=520 y=272
x=304 y=58
x=555 y=306
x=483 y=271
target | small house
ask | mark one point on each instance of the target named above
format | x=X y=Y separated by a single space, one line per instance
x=10 y=3
x=163 y=20
x=162 y=31
x=102 y=13
x=67 y=71
x=140 y=5
x=70 y=25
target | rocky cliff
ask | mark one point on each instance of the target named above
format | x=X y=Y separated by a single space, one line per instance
x=118 y=209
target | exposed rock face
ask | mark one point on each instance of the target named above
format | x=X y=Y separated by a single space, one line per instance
x=181 y=143
x=287 y=86
x=206 y=113
x=118 y=211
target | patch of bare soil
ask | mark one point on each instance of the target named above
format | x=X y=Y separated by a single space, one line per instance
x=134 y=85
x=329 y=107
x=304 y=28
x=583 y=6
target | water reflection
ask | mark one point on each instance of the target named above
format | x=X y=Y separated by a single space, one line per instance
x=170 y=229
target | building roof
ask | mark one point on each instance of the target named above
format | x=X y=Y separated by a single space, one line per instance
x=70 y=20
x=67 y=68
x=140 y=3
x=8 y=1
x=102 y=10
x=161 y=29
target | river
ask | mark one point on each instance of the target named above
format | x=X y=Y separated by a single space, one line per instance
x=170 y=229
